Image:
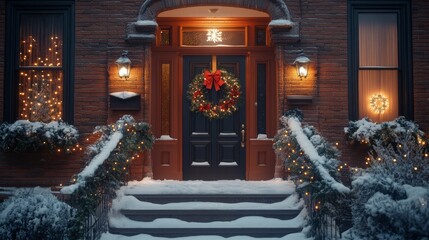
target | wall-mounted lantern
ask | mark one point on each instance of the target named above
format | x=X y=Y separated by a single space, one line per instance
x=301 y=63
x=124 y=65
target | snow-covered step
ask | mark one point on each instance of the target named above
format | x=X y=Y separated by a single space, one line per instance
x=203 y=215
x=225 y=198
x=172 y=209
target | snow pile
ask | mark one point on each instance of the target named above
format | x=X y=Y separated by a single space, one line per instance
x=34 y=214
x=24 y=135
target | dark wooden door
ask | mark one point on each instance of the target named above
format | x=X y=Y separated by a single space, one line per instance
x=213 y=149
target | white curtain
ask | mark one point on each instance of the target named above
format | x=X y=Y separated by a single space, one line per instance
x=378 y=64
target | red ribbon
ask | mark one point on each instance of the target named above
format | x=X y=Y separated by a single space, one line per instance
x=213 y=78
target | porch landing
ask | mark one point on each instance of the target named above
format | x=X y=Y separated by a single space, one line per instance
x=153 y=209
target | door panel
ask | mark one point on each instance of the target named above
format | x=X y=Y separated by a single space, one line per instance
x=212 y=149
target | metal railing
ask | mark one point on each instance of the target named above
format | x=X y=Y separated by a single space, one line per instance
x=97 y=223
x=325 y=226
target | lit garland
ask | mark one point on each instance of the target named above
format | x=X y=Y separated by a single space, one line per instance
x=111 y=174
x=40 y=86
x=321 y=196
x=25 y=136
x=226 y=105
x=378 y=103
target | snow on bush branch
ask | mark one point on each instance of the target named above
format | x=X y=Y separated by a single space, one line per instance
x=391 y=195
x=34 y=213
x=366 y=131
x=24 y=135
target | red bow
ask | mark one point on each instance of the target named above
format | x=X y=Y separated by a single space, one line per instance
x=209 y=77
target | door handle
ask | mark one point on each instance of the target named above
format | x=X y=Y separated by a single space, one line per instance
x=243 y=136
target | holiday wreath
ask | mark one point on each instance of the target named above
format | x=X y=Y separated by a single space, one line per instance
x=223 y=81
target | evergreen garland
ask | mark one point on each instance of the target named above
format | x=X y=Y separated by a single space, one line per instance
x=321 y=196
x=109 y=176
x=26 y=136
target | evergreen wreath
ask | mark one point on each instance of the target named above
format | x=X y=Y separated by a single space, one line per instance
x=223 y=81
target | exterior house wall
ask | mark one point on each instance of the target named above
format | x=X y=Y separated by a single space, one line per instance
x=100 y=28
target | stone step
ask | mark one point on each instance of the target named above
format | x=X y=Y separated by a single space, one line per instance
x=171 y=209
x=223 y=232
x=208 y=215
x=224 y=198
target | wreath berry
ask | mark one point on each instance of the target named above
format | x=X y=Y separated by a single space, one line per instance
x=223 y=81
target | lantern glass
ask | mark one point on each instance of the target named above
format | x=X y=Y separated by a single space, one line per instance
x=124 y=65
x=302 y=63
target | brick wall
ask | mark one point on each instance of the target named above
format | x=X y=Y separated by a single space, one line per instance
x=2 y=53
x=420 y=35
x=100 y=33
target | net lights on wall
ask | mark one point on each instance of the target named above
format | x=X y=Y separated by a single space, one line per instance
x=378 y=103
x=214 y=35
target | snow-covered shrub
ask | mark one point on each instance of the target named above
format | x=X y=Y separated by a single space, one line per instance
x=386 y=133
x=24 y=135
x=312 y=163
x=392 y=194
x=34 y=213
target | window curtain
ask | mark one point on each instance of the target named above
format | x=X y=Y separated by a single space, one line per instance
x=378 y=66
x=40 y=67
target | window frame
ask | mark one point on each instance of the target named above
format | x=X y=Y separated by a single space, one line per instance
x=405 y=80
x=14 y=10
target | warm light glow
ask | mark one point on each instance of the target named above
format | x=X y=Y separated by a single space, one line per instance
x=39 y=97
x=124 y=65
x=214 y=35
x=302 y=71
x=378 y=103
x=301 y=64
x=123 y=72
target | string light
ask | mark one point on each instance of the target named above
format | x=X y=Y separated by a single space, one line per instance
x=378 y=103
x=40 y=93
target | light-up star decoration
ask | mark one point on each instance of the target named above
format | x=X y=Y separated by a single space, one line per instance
x=378 y=103
x=214 y=35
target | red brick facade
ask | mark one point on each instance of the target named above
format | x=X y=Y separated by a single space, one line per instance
x=100 y=30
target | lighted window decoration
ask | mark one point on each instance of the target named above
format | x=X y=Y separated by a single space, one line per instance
x=214 y=35
x=40 y=80
x=378 y=103
x=211 y=37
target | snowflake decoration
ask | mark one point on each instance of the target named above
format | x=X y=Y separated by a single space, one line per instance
x=378 y=103
x=214 y=35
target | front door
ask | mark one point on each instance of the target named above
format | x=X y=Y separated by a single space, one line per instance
x=213 y=149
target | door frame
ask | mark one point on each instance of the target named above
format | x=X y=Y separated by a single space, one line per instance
x=167 y=153
x=166 y=156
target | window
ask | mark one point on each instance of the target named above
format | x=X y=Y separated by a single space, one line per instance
x=380 y=80
x=39 y=59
